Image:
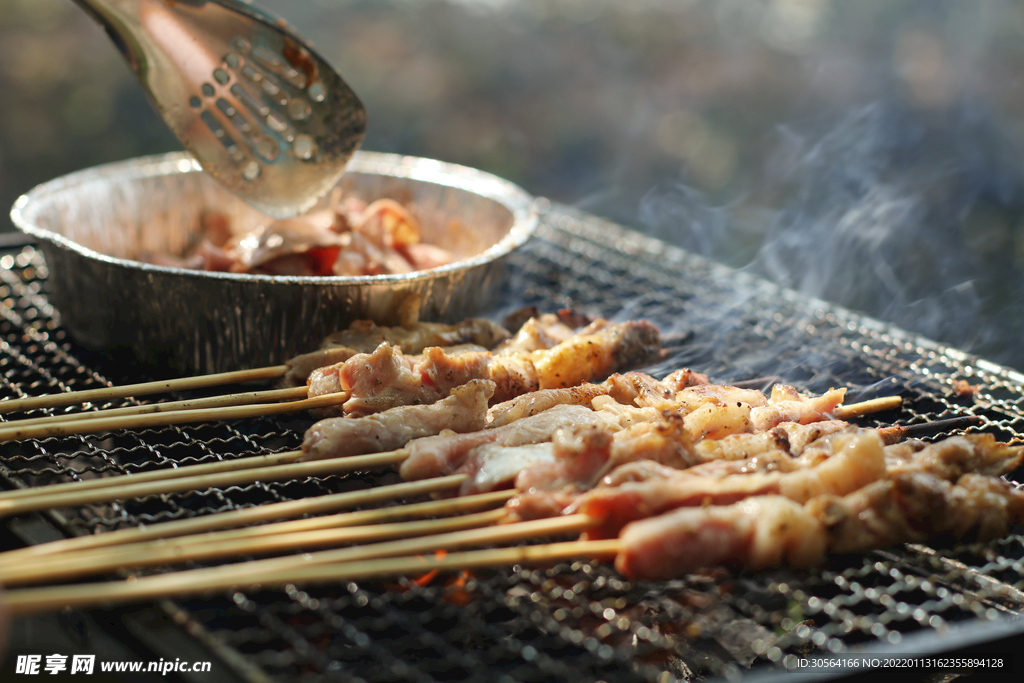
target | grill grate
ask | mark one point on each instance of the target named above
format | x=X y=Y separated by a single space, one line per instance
x=577 y=621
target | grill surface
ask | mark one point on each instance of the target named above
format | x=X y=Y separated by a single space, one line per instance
x=580 y=621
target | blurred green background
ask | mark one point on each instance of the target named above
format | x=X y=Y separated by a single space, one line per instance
x=864 y=152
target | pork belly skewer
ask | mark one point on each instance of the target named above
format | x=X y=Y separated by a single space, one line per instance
x=954 y=457
x=787 y=462
x=915 y=504
x=373 y=433
x=975 y=452
x=479 y=332
x=708 y=412
x=855 y=461
x=200 y=477
x=769 y=526
x=364 y=336
x=283 y=466
x=536 y=332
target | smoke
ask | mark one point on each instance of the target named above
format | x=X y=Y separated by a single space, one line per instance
x=910 y=217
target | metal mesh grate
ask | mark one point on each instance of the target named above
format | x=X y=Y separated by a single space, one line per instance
x=579 y=621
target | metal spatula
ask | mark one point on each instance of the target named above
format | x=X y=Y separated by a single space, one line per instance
x=255 y=105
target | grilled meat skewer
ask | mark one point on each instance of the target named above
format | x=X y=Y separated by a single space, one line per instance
x=771 y=531
x=387 y=377
x=857 y=459
x=463 y=411
x=413 y=337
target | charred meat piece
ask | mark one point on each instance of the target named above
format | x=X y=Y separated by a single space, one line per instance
x=349 y=238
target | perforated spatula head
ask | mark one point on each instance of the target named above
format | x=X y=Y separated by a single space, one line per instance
x=257 y=107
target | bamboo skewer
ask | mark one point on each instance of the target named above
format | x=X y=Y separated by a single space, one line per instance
x=204 y=546
x=874 y=405
x=244 y=398
x=898 y=433
x=328 y=566
x=142 y=389
x=187 y=549
x=164 y=474
x=314 y=468
x=106 y=424
x=236 y=518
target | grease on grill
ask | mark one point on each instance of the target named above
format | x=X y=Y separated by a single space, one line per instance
x=578 y=621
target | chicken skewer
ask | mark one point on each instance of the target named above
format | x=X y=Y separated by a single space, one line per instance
x=387 y=378
x=534 y=335
x=769 y=531
x=756 y=533
x=360 y=337
x=465 y=409
x=936 y=465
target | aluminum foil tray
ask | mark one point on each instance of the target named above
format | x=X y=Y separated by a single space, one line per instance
x=576 y=621
x=98 y=226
